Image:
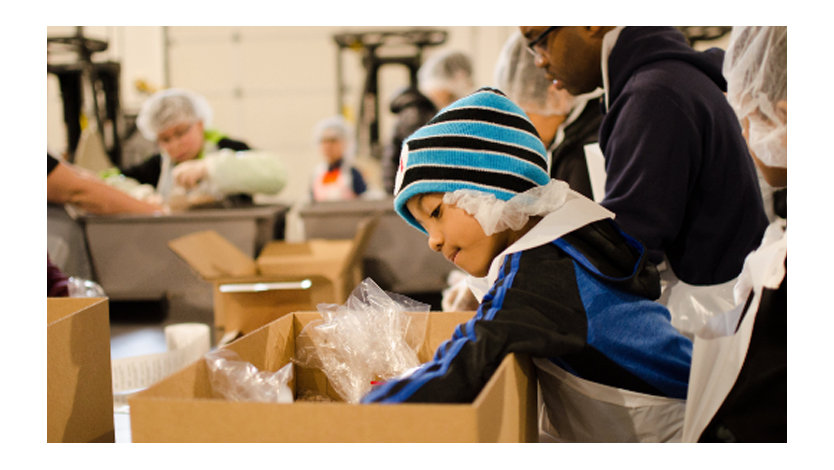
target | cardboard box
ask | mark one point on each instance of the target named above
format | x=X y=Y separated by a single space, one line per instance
x=79 y=399
x=181 y=408
x=286 y=277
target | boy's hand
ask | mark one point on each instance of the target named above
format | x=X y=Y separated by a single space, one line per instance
x=188 y=173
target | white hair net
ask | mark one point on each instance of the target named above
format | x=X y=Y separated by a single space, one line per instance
x=755 y=66
x=448 y=70
x=518 y=77
x=496 y=215
x=336 y=127
x=170 y=107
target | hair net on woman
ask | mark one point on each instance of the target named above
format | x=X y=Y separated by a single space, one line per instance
x=335 y=127
x=516 y=75
x=449 y=70
x=755 y=66
x=170 y=107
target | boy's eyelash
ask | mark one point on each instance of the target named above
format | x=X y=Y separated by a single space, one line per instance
x=435 y=213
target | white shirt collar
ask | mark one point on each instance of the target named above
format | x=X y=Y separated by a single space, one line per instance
x=608 y=42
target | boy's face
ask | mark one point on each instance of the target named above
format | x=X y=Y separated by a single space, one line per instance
x=456 y=234
x=332 y=148
x=182 y=141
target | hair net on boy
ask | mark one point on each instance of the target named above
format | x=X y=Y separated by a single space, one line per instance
x=485 y=155
x=170 y=107
x=335 y=127
x=755 y=66
x=516 y=75
x=449 y=70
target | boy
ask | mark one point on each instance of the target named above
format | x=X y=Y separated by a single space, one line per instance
x=565 y=285
x=336 y=179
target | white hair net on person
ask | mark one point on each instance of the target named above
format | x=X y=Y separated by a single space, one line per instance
x=495 y=215
x=518 y=77
x=170 y=107
x=447 y=70
x=336 y=127
x=755 y=67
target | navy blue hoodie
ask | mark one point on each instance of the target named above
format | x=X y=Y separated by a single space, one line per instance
x=679 y=175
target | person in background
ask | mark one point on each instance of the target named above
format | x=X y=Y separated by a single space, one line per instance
x=442 y=79
x=179 y=121
x=565 y=123
x=560 y=282
x=738 y=385
x=678 y=174
x=445 y=77
x=412 y=110
x=66 y=184
x=336 y=179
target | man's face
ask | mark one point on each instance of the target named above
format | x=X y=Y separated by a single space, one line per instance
x=457 y=234
x=570 y=55
x=182 y=141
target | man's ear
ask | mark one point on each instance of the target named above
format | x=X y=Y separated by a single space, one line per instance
x=782 y=111
x=597 y=32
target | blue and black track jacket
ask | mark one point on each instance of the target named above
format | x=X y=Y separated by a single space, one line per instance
x=581 y=300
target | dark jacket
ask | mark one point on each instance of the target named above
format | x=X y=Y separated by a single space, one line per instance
x=679 y=176
x=413 y=110
x=582 y=301
x=148 y=171
x=756 y=408
x=568 y=158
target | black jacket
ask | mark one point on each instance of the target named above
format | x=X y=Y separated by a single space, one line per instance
x=568 y=158
x=583 y=301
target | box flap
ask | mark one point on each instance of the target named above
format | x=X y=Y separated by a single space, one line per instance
x=212 y=256
x=58 y=308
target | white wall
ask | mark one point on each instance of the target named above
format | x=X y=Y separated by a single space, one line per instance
x=268 y=85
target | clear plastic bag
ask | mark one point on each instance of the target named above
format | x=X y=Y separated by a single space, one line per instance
x=370 y=338
x=238 y=380
x=78 y=287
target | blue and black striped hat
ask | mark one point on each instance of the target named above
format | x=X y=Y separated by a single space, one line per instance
x=483 y=142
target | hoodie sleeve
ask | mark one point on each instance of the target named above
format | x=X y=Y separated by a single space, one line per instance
x=514 y=317
x=661 y=147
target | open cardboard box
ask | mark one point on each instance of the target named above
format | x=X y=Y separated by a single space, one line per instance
x=79 y=398
x=182 y=408
x=286 y=277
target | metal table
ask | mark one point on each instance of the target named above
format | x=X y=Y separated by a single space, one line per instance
x=397 y=258
x=130 y=255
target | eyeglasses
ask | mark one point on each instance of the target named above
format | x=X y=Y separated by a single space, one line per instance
x=531 y=46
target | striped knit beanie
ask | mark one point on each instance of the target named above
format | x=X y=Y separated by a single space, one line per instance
x=482 y=142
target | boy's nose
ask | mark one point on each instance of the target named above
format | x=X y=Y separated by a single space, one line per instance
x=435 y=241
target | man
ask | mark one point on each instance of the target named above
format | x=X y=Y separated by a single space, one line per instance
x=565 y=123
x=679 y=176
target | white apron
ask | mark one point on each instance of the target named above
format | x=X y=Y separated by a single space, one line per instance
x=587 y=411
x=339 y=190
x=578 y=410
x=577 y=212
x=719 y=350
x=691 y=306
